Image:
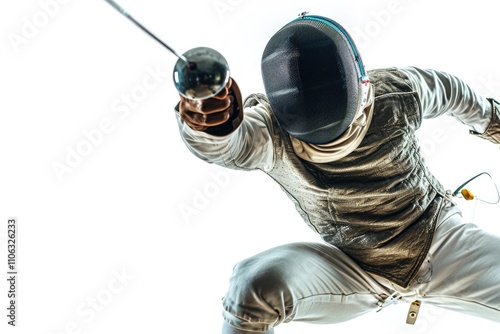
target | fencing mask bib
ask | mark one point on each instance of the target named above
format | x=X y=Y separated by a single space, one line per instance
x=314 y=79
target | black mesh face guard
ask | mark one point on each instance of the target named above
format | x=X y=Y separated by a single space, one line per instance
x=314 y=79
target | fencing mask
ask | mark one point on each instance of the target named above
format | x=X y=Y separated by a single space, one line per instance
x=314 y=79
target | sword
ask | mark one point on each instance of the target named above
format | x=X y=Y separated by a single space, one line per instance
x=204 y=75
x=122 y=11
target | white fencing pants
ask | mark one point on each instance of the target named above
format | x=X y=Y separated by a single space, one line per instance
x=318 y=283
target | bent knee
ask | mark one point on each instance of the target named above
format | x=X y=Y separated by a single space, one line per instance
x=258 y=297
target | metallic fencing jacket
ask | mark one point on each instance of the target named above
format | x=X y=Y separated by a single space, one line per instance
x=379 y=204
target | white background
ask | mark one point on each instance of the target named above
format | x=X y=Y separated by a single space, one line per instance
x=138 y=204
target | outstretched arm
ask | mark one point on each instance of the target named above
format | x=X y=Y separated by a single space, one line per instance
x=219 y=130
x=442 y=93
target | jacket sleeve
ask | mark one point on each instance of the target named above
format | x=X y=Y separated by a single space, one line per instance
x=442 y=93
x=249 y=147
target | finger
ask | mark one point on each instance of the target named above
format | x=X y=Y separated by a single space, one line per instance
x=216 y=103
x=207 y=106
x=225 y=91
x=210 y=106
x=206 y=120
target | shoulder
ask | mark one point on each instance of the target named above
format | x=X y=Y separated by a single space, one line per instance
x=390 y=80
x=257 y=106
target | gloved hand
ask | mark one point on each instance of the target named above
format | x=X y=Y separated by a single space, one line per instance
x=219 y=115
